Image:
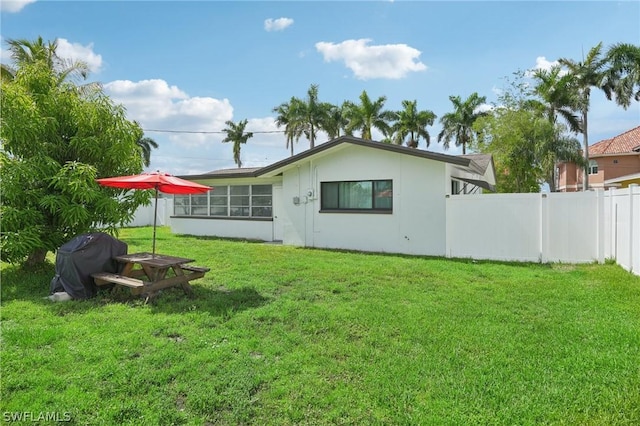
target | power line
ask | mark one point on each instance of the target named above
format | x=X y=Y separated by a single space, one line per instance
x=203 y=132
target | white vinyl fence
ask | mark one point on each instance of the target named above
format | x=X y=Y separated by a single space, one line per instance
x=548 y=227
x=144 y=214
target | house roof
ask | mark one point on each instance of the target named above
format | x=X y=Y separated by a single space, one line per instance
x=277 y=167
x=473 y=161
x=235 y=172
x=480 y=183
x=481 y=161
x=625 y=143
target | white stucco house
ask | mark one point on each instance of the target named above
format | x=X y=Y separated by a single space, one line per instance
x=347 y=193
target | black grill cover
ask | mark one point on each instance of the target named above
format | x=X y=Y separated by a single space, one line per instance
x=84 y=255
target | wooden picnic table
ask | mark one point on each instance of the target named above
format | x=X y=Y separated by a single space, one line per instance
x=146 y=274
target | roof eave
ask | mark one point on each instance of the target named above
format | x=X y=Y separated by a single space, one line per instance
x=280 y=166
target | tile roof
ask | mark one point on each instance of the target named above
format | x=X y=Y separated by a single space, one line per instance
x=629 y=141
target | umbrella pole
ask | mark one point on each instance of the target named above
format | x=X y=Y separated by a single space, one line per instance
x=155 y=218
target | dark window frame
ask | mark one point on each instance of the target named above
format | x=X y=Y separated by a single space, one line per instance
x=375 y=207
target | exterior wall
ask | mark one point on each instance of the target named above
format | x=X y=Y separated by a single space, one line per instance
x=577 y=227
x=252 y=229
x=226 y=228
x=609 y=167
x=568 y=177
x=619 y=165
x=414 y=226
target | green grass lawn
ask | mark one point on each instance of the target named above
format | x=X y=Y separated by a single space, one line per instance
x=281 y=335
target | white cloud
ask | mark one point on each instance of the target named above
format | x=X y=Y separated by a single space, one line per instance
x=156 y=105
x=277 y=24
x=484 y=108
x=543 y=63
x=391 y=61
x=14 y=6
x=78 y=52
x=66 y=50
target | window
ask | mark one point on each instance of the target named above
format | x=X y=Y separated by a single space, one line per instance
x=227 y=201
x=455 y=187
x=374 y=195
x=219 y=203
x=593 y=167
x=181 y=205
x=199 y=205
x=239 y=200
x=261 y=196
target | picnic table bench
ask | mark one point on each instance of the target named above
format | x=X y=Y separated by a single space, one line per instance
x=146 y=273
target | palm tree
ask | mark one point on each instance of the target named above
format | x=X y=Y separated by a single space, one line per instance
x=25 y=52
x=623 y=76
x=289 y=117
x=335 y=122
x=313 y=114
x=236 y=134
x=458 y=124
x=146 y=145
x=557 y=96
x=559 y=147
x=368 y=115
x=413 y=123
x=591 y=72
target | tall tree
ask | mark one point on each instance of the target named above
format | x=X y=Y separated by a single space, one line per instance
x=335 y=122
x=236 y=134
x=23 y=52
x=368 y=115
x=289 y=116
x=559 y=146
x=557 y=96
x=524 y=139
x=55 y=142
x=591 y=72
x=313 y=114
x=622 y=79
x=458 y=124
x=517 y=140
x=413 y=123
x=146 y=145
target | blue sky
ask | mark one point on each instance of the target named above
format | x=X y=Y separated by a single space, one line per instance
x=190 y=66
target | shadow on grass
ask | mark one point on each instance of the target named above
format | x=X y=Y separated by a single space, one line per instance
x=462 y=260
x=214 y=238
x=33 y=286
x=217 y=302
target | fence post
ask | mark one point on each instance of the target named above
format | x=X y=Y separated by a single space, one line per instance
x=543 y=231
x=448 y=226
x=614 y=224
x=600 y=225
x=632 y=188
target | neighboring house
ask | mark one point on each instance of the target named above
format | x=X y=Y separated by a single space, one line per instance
x=347 y=193
x=613 y=163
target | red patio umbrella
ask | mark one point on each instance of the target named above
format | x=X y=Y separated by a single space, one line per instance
x=158 y=181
